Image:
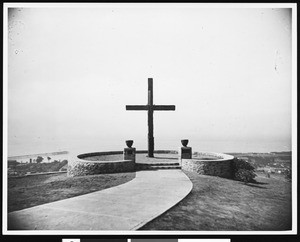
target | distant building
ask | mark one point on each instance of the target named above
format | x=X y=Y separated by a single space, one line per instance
x=268 y=169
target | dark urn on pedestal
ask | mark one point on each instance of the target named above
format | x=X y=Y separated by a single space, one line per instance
x=184 y=142
x=129 y=143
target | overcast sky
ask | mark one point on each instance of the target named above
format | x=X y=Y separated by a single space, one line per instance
x=71 y=71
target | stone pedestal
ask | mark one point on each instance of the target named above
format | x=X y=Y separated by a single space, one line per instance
x=129 y=154
x=185 y=152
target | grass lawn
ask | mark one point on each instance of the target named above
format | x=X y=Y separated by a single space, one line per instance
x=220 y=204
x=29 y=191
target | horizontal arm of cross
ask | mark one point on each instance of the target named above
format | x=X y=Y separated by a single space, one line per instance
x=164 y=107
x=136 y=107
x=155 y=107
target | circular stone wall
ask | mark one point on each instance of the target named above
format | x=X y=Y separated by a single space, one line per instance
x=206 y=163
x=81 y=165
x=218 y=165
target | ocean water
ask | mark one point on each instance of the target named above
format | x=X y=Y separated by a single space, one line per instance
x=28 y=147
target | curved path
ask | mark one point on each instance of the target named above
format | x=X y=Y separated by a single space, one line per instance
x=125 y=207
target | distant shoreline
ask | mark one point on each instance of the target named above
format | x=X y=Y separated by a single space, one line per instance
x=67 y=152
x=41 y=154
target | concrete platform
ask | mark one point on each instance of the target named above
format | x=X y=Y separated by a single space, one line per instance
x=125 y=207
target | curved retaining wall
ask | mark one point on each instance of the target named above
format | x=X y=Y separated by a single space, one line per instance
x=80 y=166
x=221 y=167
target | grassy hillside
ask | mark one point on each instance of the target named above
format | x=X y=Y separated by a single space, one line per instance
x=218 y=204
x=29 y=191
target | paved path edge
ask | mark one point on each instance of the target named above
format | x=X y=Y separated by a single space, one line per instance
x=159 y=214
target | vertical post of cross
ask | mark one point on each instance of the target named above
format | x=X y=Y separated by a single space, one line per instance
x=150 y=118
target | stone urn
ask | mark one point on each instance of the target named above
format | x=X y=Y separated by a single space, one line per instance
x=184 y=142
x=129 y=143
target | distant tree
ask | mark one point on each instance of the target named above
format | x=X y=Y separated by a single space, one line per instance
x=49 y=158
x=243 y=171
x=39 y=159
x=12 y=163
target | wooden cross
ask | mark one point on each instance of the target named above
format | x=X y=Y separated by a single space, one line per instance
x=150 y=108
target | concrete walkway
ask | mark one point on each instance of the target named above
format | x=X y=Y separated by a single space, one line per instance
x=125 y=207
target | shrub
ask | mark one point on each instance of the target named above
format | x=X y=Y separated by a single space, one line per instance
x=243 y=171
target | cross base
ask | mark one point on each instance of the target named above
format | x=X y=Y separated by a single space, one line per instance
x=150 y=146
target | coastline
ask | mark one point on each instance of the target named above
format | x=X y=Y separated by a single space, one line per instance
x=40 y=154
